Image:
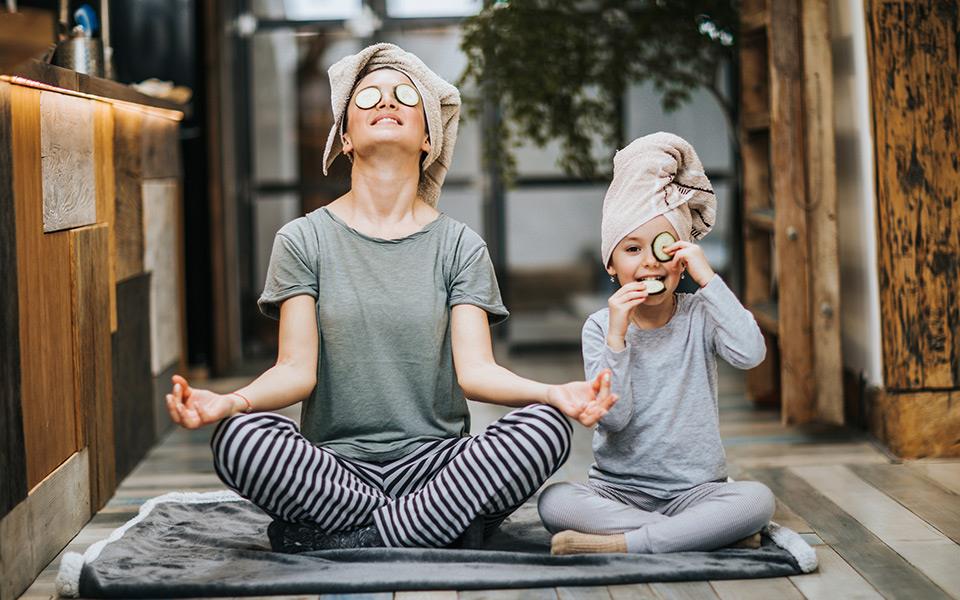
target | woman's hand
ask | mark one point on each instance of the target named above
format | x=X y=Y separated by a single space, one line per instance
x=621 y=303
x=584 y=401
x=193 y=408
x=691 y=257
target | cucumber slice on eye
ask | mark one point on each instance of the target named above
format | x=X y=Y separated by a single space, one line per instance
x=654 y=286
x=367 y=98
x=663 y=239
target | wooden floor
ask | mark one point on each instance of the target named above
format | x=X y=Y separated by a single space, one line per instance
x=880 y=528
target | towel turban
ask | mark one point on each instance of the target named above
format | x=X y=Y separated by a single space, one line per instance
x=658 y=174
x=441 y=102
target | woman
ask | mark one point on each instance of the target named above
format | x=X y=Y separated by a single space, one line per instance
x=381 y=299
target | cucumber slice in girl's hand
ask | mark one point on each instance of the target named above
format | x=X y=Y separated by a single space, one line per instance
x=663 y=239
x=654 y=286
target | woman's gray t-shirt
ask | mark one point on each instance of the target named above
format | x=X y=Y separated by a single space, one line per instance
x=385 y=377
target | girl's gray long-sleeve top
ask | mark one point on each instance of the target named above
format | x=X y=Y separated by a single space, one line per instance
x=663 y=435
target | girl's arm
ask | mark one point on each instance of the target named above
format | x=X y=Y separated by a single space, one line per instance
x=482 y=379
x=735 y=334
x=289 y=381
x=598 y=357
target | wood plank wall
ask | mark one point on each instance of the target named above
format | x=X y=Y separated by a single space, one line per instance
x=133 y=412
x=916 y=112
x=13 y=471
x=43 y=278
x=79 y=401
x=90 y=280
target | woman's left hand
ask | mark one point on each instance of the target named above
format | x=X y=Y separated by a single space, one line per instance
x=584 y=401
x=691 y=257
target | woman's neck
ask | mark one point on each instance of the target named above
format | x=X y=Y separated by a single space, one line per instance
x=652 y=317
x=382 y=201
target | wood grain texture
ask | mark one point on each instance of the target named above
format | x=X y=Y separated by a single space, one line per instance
x=634 y=591
x=944 y=474
x=822 y=218
x=598 y=592
x=13 y=465
x=923 y=498
x=515 y=594
x=161 y=257
x=66 y=150
x=684 y=590
x=756 y=589
x=133 y=414
x=128 y=210
x=918 y=424
x=106 y=192
x=834 y=578
x=90 y=279
x=877 y=563
x=790 y=193
x=50 y=411
x=33 y=533
x=916 y=109
x=161 y=148
x=928 y=550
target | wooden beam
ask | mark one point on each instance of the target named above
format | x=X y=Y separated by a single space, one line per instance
x=916 y=109
x=90 y=279
x=790 y=193
x=916 y=424
x=822 y=194
x=13 y=466
x=224 y=263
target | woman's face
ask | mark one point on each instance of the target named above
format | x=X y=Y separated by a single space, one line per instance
x=389 y=122
x=633 y=259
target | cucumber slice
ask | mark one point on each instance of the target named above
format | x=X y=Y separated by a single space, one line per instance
x=663 y=239
x=654 y=286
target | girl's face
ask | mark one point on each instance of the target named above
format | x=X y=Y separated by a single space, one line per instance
x=633 y=259
x=388 y=121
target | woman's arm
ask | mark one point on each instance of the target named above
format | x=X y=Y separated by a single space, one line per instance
x=289 y=381
x=482 y=379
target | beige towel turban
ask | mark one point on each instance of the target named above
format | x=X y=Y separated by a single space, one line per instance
x=658 y=174
x=441 y=102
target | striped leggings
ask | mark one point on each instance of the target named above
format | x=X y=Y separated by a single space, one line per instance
x=706 y=517
x=425 y=499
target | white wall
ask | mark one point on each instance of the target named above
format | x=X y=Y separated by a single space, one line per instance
x=856 y=205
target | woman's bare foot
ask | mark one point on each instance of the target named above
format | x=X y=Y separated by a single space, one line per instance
x=574 y=542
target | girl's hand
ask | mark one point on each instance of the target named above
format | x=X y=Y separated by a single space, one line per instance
x=584 y=401
x=192 y=408
x=690 y=256
x=621 y=303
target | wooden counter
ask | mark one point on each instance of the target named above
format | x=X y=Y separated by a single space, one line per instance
x=92 y=304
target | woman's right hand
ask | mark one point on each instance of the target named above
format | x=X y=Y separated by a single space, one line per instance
x=193 y=408
x=621 y=303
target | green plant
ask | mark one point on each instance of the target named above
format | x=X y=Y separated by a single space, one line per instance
x=559 y=69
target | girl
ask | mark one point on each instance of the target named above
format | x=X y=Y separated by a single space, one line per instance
x=659 y=480
x=384 y=306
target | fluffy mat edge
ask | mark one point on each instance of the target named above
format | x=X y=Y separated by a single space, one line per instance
x=71 y=565
x=791 y=541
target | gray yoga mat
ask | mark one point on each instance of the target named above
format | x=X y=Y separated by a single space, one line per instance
x=215 y=544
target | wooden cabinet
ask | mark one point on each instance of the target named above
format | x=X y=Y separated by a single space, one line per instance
x=791 y=271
